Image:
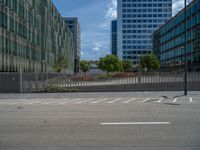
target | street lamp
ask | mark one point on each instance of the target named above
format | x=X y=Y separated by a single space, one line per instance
x=185 y=75
x=139 y=75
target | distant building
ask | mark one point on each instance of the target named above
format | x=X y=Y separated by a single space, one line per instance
x=32 y=35
x=114 y=37
x=169 y=40
x=73 y=24
x=136 y=21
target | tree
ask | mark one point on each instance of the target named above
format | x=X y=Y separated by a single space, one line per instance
x=110 y=63
x=150 y=61
x=85 y=66
x=126 y=64
x=60 y=63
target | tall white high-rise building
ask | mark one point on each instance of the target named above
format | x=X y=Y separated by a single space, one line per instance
x=137 y=20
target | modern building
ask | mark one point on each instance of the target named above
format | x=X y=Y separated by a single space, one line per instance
x=74 y=26
x=114 y=37
x=137 y=20
x=169 y=40
x=32 y=36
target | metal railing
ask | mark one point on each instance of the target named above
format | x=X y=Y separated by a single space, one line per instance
x=36 y=82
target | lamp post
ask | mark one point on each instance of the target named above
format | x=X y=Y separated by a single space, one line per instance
x=186 y=67
x=139 y=75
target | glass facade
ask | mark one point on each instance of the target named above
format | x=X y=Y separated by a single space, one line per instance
x=114 y=37
x=74 y=26
x=169 y=40
x=32 y=35
x=137 y=20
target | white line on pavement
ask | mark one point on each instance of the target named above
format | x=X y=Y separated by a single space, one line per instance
x=174 y=101
x=160 y=100
x=128 y=101
x=85 y=101
x=147 y=99
x=55 y=101
x=99 y=101
x=191 y=100
x=136 y=123
x=114 y=100
x=70 y=101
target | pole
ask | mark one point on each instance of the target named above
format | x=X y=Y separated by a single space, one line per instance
x=139 y=75
x=185 y=76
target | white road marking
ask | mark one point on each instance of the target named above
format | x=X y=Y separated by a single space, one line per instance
x=55 y=101
x=160 y=100
x=191 y=100
x=114 y=101
x=99 y=101
x=128 y=101
x=136 y=123
x=85 y=101
x=35 y=102
x=147 y=99
x=174 y=101
x=69 y=101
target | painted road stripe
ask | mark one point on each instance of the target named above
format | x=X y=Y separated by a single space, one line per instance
x=114 y=100
x=70 y=101
x=99 y=101
x=174 y=101
x=191 y=100
x=136 y=123
x=147 y=99
x=128 y=101
x=85 y=101
x=55 y=101
x=160 y=100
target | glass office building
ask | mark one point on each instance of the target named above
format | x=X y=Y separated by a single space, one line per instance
x=137 y=20
x=169 y=40
x=32 y=35
x=114 y=37
x=74 y=26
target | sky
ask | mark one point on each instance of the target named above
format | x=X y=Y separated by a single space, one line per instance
x=95 y=17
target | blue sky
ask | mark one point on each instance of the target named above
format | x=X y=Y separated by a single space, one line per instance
x=94 y=17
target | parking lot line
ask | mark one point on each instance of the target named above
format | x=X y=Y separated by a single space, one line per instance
x=85 y=101
x=101 y=100
x=114 y=100
x=147 y=99
x=160 y=100
x=174 y=101
x=128 y=101
x=191 y=100
x=73 y=100
x=136 y=123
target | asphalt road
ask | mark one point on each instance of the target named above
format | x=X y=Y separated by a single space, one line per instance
x=61 y=122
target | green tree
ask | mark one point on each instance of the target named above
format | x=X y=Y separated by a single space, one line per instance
x=110 y=63
x=60 y=63
x=150 y=61
x=85 y=66
x=126 y=64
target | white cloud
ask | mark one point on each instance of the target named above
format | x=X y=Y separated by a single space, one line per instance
x=178 y=5
x=112 y=10
x=110 y=14
x=97 y=47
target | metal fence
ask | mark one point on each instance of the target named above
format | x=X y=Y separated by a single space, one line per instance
x=37 y=82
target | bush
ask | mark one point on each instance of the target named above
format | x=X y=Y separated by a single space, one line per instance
x=58 y=90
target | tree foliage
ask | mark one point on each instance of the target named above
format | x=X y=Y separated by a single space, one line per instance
x=85 y=66
x=60 y=63
x=110 y=63
x=126 y=64
x=150 y=61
